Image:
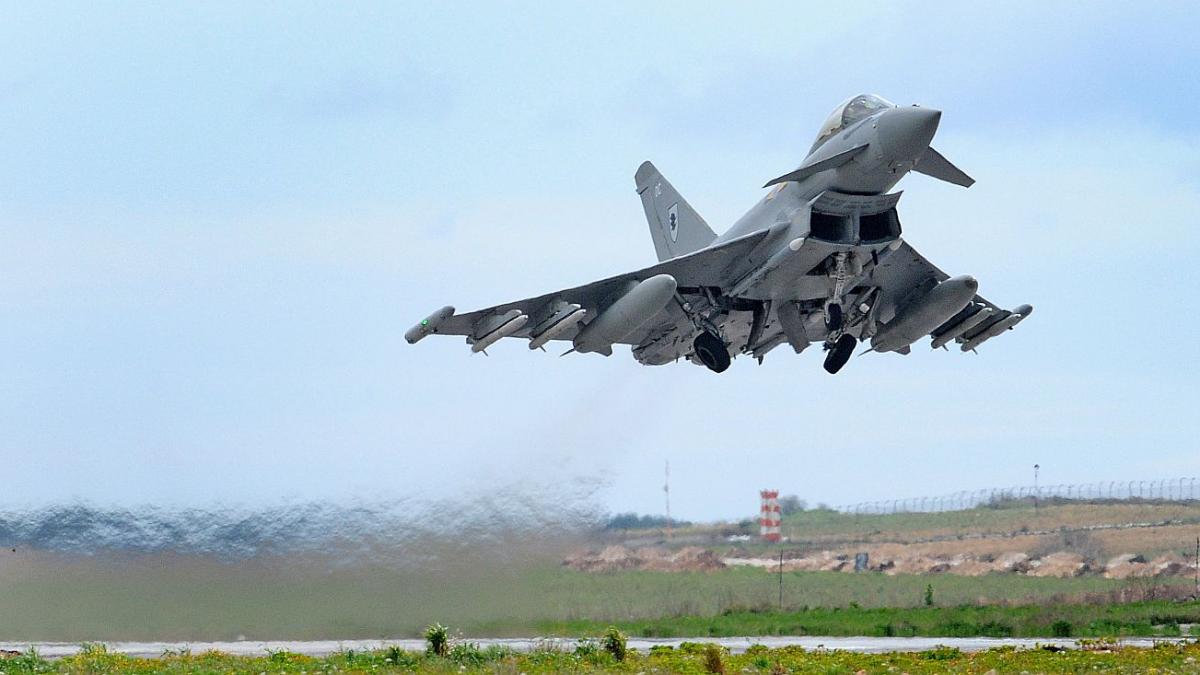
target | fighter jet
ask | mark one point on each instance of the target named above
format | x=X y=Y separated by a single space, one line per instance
x=819 y=259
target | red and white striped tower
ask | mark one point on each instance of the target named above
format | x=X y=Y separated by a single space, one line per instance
x=770 y=517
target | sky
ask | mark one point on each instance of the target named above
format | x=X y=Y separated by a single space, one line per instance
x=218 y=219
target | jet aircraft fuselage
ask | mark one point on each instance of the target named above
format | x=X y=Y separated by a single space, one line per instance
x=820 y=258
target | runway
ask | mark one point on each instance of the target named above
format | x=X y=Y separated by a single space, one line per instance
x=736 y=645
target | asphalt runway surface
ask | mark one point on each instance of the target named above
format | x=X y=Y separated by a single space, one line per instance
x=737 y=645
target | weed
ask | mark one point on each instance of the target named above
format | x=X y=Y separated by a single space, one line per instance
x=712 y=659
x=93 y=648
x=395 y=656
x=437 y=640
x=585 y=648
x=613 y=642
x=942 y=653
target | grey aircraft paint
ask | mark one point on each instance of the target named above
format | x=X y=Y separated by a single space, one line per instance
x=819 y=258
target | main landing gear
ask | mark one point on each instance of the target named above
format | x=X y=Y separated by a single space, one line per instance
x=839 y=353
x=712 y=352
x=833 y=317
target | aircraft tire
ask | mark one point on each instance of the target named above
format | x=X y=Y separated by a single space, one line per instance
x=833 y=318
x=840 y=354
x=712 y=352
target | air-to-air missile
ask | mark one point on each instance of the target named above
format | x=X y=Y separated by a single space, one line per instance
x=558 y=322
x=962 y=327
x=992 y=330
x=494 y=328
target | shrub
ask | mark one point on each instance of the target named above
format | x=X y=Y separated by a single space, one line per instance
x=93 y=648
x=941 y=653
x=1061 y=628
x=27 y=662
x=929 y=595
x=712 y=659
x=437 y=640
x=466 y=654
x=396 y=656
x=613 y=642
x=997 y=629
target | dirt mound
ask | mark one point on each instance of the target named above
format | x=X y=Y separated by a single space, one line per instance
x=1062 y=564
x=1170 y=565
x=618 y=558
x=696 y=559
x=1126 y=566
x=1013 y=561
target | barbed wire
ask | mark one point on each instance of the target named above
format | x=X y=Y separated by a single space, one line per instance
x=1164 y=489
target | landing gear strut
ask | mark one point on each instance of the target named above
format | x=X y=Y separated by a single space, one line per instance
x=839 y=353
x=712 y=352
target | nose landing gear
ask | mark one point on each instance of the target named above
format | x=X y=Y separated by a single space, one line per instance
x=712 y=352
x=839 y=353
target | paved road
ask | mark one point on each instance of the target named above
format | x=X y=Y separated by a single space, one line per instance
x=735 y=644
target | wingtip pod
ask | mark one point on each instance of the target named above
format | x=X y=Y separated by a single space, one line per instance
x=428 y=325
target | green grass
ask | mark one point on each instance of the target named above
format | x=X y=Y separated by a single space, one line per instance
x=1144 y=619
x=157 y=598
x=689 y=658
x=1014 y=517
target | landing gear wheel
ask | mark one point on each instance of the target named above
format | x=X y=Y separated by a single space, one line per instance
x=833 y=317
x=840 y=353
x=712 y=352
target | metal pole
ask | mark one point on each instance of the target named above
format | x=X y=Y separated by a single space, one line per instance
x=781 y=581
x=667 y=494
x=1036 y=492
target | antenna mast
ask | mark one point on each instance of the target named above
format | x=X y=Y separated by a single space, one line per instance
x=667 y=494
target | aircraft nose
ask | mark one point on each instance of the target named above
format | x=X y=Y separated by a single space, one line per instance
x=906 y=132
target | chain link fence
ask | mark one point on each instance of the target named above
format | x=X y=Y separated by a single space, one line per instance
x=1163 y=490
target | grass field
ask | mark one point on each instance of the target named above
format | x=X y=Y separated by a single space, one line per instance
x=1017 y=518
x=1142 y=619
x=172 y=598
x=689 y=658
x=1150 y=528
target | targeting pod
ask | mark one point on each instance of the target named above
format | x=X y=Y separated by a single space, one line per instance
x=428 y=325
x=491 y=329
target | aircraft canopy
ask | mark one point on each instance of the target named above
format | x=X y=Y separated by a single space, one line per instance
x=849 y=112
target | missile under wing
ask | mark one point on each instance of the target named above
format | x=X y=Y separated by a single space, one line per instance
x=820 y=259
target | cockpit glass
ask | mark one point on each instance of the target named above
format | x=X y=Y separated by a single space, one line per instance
x=849 y=112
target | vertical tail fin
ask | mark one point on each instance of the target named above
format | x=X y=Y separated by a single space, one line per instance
x=675 y=226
